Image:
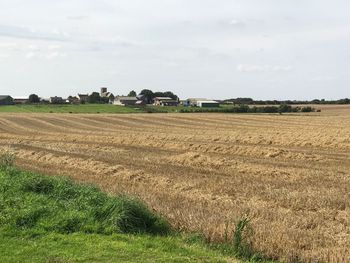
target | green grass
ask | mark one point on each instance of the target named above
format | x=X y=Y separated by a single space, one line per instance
x=108 y=108
x=29 y=201
x=52 y=219
x=78 y=247
x=68 y=108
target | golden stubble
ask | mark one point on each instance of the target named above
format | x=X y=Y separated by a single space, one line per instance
x=288 y=173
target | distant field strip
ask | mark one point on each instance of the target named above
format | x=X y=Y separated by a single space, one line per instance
x=289 y=173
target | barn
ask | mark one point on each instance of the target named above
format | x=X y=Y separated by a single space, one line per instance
x=208 y=104
x=6 y=100
x=125 y=100
x=165 y=101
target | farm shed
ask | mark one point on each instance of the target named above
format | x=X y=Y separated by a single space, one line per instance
x=125 y=100
x=165 y=101
x=6 y=100
x=208 y=104
x=83 y=98
x=19 y=100
x=193 y=101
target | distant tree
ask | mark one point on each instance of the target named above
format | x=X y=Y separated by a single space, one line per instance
x=132 y=93
x=148 y=95
x=284 y=108
x=33 y=98
x=94 y=97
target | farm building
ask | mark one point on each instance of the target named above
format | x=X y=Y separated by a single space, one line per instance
x=19 y=100
x=192 y=102
x=6 y=100
x=73 y=100
x=56 y=100
x=140 y=103
x=106 y=94
x=83 y=98
x=125 y=101
x=44 y=100
x=165 y=101
x=208 y=104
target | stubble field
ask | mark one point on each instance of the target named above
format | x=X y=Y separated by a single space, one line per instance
x=290 y=174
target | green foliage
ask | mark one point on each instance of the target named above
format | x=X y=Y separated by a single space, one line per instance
x=39 y=185
x=307 y=109
x=246 y=109
x=132 y=93
x=241 y=248
x=94 y=98
x=148 y=95
x=42 y=203
x=80 y=247
x=33 y=98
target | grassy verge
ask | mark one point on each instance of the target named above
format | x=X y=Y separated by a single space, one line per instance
x=48 y=219
x=79 y=247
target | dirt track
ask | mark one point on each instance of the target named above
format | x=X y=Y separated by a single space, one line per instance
x=289 y=174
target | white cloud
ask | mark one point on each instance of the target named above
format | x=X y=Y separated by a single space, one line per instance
x=24 y=32
x=30 y=55
x=33 y=47
x=9 y=46
x=47 y=56
x=78 y=17
x=237 y=23
x=54 y=47
x=322 y=78
x=54 y=55
x=3 y=55
x=263 y=68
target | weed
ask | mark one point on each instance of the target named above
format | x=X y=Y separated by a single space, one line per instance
x=7 y=158
x=241 y=247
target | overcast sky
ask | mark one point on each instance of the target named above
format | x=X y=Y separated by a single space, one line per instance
x=264 y=49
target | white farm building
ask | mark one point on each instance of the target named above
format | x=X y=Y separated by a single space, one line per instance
x=208 y=104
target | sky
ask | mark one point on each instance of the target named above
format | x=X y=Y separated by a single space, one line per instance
x=263 y=49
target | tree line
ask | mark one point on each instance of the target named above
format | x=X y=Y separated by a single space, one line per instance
x=251 y=101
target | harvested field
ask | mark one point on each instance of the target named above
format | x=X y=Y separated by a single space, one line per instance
x=288 y=173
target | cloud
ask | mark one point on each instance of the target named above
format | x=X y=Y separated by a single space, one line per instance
x=54 y=47
x=33 y=47
x=54 y=55
x=263 y=68
x=78 y=17
x=4 y=55
x=322 y=78
x=30 y=55
x=47 y=56
x=9 y=46
x=32 y=33
x=237 y=23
